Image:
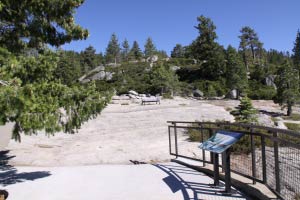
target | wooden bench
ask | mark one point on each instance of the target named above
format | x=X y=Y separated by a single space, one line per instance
x=150 y=99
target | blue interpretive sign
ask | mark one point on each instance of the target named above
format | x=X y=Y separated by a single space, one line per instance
x=220 y=141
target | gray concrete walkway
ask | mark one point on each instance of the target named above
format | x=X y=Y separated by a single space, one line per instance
x=169 y=181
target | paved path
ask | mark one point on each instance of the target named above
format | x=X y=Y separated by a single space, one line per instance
x=168 y=181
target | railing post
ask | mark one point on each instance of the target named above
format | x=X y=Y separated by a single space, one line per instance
x=263 y=157
x=169 y=132
x=202 y=140
x=176 y=144
x=276 y=158
x=211 y=154
x=253 y=156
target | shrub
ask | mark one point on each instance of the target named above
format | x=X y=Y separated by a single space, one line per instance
x=181 y=61
x=292 y=126
x=194 y=135
x=258 y=91
x=167 y=96
x=294 y=117
x=245 y=112
x=210 y=88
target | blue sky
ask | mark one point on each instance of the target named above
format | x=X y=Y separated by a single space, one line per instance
x=169 y=22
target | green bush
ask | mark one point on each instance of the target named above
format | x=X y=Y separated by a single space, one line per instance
x=292 y=126
x=258 y=91
x=294 y=117
x=210 y=88
x=194 y=135
x=167 y=96
x=181 y=62
x=185 y=89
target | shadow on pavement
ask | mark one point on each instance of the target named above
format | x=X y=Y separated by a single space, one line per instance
x=9 y=174
x=178 y=180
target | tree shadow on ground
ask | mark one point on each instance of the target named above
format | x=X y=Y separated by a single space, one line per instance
x=9 y=174
x=271 y=114
x=177 y=181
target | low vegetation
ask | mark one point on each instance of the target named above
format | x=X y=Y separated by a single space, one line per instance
x=294 y=117
x=292 y=126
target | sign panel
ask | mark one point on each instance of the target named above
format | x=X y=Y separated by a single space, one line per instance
x=220 y=141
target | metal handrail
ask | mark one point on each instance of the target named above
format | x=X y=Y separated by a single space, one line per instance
x=271 y=154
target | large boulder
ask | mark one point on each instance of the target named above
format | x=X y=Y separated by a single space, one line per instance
x=133 y=92
x=232 y=94
x=270 y=81
x=99 y=76
x=152 y=59
x=98 y=73
x=198 y=93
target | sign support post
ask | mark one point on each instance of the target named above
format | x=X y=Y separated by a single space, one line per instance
x=216 y=169
x=227 y=172
x=220 y=143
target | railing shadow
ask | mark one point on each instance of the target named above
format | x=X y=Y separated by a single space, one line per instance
x=177 y=181
x=9 y=174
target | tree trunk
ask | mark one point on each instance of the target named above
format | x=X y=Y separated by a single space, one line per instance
x=237 y=94
x=245 y=60
x=289 y=109
x=253 y=53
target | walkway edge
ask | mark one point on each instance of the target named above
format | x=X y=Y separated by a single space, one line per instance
x=245 y=185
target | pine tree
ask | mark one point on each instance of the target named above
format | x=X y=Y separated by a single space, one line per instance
x=178 y=51
x=35 y=100
x=135 y=52
x=287 y=82
x=150 y=48
x=250 y=46
x=205 y=49
x=246 y=112
x=164 y=79
x=113 y=49
x=68 y=67
x=88 y=59
x=125 y=50
x=236 y=76
x=36 y=23
x=296 y=52
x=36 y=96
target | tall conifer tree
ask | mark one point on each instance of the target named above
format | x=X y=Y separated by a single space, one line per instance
x=113 y=49
x=125 y=50
x=250 y=46
x=296 y=52
x=207 y=50
x=236 y=75
x=150 y=48
x=287 y=82
x=135 y=52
